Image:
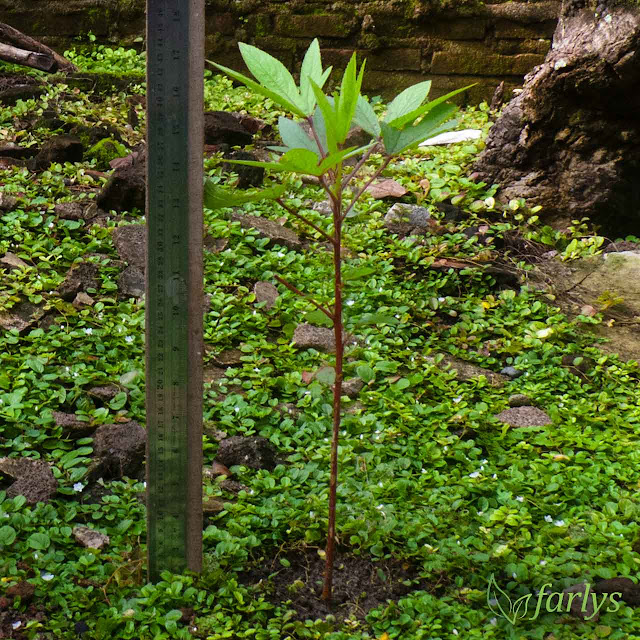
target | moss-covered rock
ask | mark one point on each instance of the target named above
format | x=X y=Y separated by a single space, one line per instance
x=106 y=150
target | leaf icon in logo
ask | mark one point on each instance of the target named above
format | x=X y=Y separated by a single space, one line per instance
x=495 y=594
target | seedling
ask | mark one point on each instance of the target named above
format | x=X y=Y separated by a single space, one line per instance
x=322 y=153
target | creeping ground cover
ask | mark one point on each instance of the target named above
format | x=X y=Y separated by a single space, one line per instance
x=488 y=439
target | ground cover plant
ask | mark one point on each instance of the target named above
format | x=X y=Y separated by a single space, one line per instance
x=437 y=494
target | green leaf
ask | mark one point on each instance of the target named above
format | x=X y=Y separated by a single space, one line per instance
x=129 y=377
x=318 y=318
x=395 y=140
x=349 y=94
x=365 y=373
x=366 y=118
x=328 y=115
x=403 y=383
x=326 y=375
x=375 y=318
x=7 y=535
x=294 y=136
x=311 y=70
x=119 y=400
x=270 y=73
x=320 y=129
x=217 y=197
x=358 y=272
x=35 y=363
x=258 y=88
x=408 y=100
x=39 y=541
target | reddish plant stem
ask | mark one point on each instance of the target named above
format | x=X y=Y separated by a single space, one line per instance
x=337 y=394
x=364 y=187
x=304 y=219
x=297 y=291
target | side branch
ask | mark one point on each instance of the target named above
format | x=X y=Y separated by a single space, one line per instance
x=297 y=291
x=364 y=187
x=308 y=222
x=27 y=58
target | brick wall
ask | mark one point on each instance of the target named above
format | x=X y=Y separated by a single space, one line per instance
x=402 y=41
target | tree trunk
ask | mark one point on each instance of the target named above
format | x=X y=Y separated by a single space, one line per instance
x=570 y=141
x=26 y=58
x=18 y=39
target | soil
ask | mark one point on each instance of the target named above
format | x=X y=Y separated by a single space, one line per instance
x=15 y=80
x=359 y=583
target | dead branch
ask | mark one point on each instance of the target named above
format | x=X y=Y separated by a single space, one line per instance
x=27 y=58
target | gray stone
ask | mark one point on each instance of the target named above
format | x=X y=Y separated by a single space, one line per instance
x=105 y=392
x=33 y=479
x=222 y=127
x=308 y=336
x=229 y=357
x=276 y=233
x=265 y=292
x=72 y=427
x=57 y=149
x=82 y=300
x=12 y=261
x=249 y=451
x=519 y=400
x=352 y=387
x=118 y=451
x=574 y=604
x=90 y=538
x=69 y=210
x=511 y=372
x=7 y=203
x=524 y=417
x=80 y=277
x=126 y=189
x=13 y=150
x=21 y=316
x=131 y=282
x=467 y=371
x=629 y=591
x=131 y=244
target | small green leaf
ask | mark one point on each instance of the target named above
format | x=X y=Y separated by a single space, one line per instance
x=311 y=69
x=7 y=535
x=318 y=318
x=365 y=373
x=326 y=375
x=366 y=118
x=407 y=101
x=119 y=400
x=39 y=541
x=294 y=136
x=217 y=197
x=401 y=384
x=358 y=273
x=375 y=318
x=328 y=115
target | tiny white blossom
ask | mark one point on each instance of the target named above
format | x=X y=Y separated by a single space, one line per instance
x=51 y=225
x=480 y=513
x=542 y=562
x=548 y=519
x=514 y=575
x=47 y=576
x=256 y=369
x=312 y=514
x=128 y=338
x=519 y=498
x=475 y=474
x=17 y=624
x=350 y=303
x=88 y=331
x=484 y=461
x=457 y=399
x=78 y=486
x=494 y=476
x=445 y=448
x=380 y=507
x=145 y=484
x=455 y=632
x=493 y=621
x=559 y=523
x=380 y=484
x=441 y=299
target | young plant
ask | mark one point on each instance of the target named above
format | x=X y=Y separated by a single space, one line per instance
x=322 y=153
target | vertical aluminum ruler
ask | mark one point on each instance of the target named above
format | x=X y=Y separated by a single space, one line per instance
x=175 y=76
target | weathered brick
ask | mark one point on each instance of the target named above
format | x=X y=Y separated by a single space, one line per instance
x=510 y=29
x=511 y=47
x=321 y=25
x=445 y=62
x=224 y=23
x=458 y=29
x=524 y=12
x=393 y=59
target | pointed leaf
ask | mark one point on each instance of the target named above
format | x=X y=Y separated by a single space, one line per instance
x=349 y=92
x=311 y=70
x=366 y=118
x=318 y=318
x=258 y=88
x=358 y=272
x=328 y=115
x=217 y=197
x=301 y=161
x=425 y=108
x=270 y=73
x=334 y=159
x=320 y=129
x=294 y=136
x=408 y=100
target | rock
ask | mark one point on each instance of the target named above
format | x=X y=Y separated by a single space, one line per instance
x=7 y=203
x=212 y=505
x=105 y=393
x=629 y=590
x=308 y=336
x=11 y=95
x=70 y=210
x=352 y=387
x=229 y=357
x=91 y=135
x=212 y=375
x=21 y=316
x=81 y=276
x=276 y=233
x=82 y=300
x=519 y=400
x=9 y=163
x=12 y=261
x=249 y=451
x=407 y=219
x=570 y=141
x=72 y=427
x=126 y=189
x=106 y=150
x=222 y=127
x=90 y=538
x=357 y=137
x=118 y=451
x=131 y=244
x=131 y=282
x=575 y=608
x=511 y=372
x=248 y=176
x=233 y=486
x=215 y=245
x=23 y=590
x=323 y=207
x=33 y=479
x=265 y=292
x=57 y=149
x=13 y=150
x=467 y=370
x=218 y=469
x=524 y=417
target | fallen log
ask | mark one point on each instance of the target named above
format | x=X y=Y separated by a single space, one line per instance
x=40 y=61
x=18 y=39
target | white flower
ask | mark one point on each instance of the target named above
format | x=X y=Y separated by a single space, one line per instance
x=441 y=299
x=312 y=514
x=47 y=576
x=51 y=225
x=380 y=507
x=78 y=486
x=458 y=399
x=559 y=523
x=17 y=624
x=350 y=303
x=445 y=448
x=548 y=519
x=494 y=476
x=480 y=513
x=542 y=563
x=88 y=331
x=484 y=461
x=493 y=621
x=475 y=474
x=455 y=632
x=128 y=338
x=519 y=498
x=145 y=484
x=514 y=575
x=380 y=484
x=256 y=369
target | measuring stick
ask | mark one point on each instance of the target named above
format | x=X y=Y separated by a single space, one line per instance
x=175 y=76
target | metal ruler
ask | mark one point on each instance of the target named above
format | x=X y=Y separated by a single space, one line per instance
x=175 y=76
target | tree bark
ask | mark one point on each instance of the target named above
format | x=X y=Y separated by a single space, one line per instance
x=570 y=141
x=18 y=39
x=40 y=61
